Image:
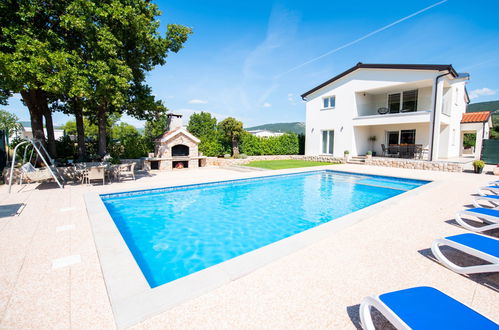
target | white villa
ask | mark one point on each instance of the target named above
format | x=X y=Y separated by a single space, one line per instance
x=385 y=107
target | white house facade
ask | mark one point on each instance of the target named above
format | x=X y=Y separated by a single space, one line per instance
x=371 y=107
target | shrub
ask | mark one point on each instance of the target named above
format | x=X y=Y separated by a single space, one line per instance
x=286 y=144
x=211 y=147
x=227 y=156
x=243 y=156
x=65 y=147
x=301 y=144
x=20 y=152
x=479 y=163
x=346 y=152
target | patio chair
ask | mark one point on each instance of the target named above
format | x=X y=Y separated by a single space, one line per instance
x=393 y=150
x=418 y=151
x=492 y=199
x=483 y=247
x=384 y=150
x=126 y=170
x=491 y=189
x=404 y=151
x=95 y=173
x=422 y=308
x=488 y=216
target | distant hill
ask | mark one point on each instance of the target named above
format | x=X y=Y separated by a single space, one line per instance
x=297 y=127
x=483 y=106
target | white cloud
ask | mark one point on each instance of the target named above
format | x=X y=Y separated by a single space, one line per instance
x=481 y=92
x=196 y=101
x=267 y=105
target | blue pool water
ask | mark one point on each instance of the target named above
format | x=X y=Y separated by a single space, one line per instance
x=174 y=232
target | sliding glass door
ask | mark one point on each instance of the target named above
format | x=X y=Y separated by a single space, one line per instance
x=392 y=137
x=327 y=142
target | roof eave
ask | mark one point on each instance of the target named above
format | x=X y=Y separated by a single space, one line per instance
x=360 y=65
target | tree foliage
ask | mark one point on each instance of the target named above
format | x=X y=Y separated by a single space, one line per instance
x=127 y=142
x=88 y=57
x=91 y=130
x=286 y=144
x=469 y=140
x=202 y=125
x=231 y=131
x=9 y=122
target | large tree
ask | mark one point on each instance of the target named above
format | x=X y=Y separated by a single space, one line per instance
x=91 y=55
x=34 y=57
x=202 y=125
x=121 y=42
x=232 y=130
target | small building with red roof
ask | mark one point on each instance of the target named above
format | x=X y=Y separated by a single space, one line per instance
x=478 y=123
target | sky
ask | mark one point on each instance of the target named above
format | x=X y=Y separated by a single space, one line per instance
x=253 y=59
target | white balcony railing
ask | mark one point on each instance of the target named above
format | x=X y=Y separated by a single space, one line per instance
x=393 y=118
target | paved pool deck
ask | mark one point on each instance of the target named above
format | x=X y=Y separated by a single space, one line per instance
x=50 y=274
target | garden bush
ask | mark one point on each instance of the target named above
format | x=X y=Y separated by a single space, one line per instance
x=286 y=144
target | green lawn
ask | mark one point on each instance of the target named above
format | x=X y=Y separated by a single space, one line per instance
x=282 y=164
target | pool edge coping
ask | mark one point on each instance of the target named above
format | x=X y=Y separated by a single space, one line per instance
x=133 y=300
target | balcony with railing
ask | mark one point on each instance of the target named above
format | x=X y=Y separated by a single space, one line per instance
x=404 y=105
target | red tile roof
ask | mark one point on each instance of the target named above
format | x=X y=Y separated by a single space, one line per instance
x=475 y=117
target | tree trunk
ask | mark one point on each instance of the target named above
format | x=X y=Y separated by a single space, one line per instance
x=102 y=118
x=235 y=148
x=34 y=102
x=80 y=129
x=49 y=125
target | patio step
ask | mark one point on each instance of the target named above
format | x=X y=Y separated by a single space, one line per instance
x=357 y=160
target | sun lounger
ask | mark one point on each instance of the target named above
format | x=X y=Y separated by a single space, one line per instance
x=494 y=183
x=483 y=247
x=488 y=216
x=492 y=199
x=423 y=308
x=491 y=189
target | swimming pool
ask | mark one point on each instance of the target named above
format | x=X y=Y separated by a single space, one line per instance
x=177 y=231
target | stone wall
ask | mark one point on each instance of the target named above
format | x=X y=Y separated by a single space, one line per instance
x=214 y=161
x=415 y=164
x=375 y=161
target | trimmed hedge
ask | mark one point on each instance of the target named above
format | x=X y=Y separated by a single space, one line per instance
x=286 y=144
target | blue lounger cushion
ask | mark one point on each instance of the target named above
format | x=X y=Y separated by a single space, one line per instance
x=481 y=243
x=428 y=308
x=492 y=196
x=484 y=211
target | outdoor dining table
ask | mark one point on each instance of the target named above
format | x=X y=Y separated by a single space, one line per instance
x=81 y=169
x=413 y=151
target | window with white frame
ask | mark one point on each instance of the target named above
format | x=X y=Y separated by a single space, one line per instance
x=406 y=101
x=329 y=102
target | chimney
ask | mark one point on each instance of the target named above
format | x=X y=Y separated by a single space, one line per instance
x=173 y=121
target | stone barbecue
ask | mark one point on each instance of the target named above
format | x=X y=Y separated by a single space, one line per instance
x=176 y=148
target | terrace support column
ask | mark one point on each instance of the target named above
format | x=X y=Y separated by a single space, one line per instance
x=437 y=99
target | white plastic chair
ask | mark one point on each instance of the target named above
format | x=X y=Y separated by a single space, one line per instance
x=95 y=173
